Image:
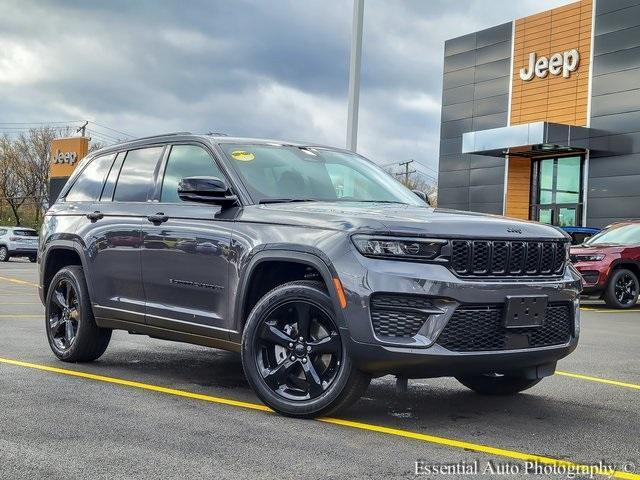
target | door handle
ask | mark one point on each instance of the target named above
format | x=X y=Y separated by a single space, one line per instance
x=94 y=216
x=158 y=218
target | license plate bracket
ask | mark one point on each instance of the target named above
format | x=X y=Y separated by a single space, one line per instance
x=525 y=311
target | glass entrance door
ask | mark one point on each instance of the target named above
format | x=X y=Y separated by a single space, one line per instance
x=557 y=191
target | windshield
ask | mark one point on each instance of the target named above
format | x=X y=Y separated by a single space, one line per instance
x=620 y=235
x=287 y=173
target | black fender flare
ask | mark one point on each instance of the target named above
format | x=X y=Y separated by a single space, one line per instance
x=63 y=244
x=306 y=256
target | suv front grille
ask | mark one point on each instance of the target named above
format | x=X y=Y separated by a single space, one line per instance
x=495 y=258
x=398 y=316
x=477 y=328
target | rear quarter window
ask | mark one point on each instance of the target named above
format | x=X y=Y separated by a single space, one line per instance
x=88 y=185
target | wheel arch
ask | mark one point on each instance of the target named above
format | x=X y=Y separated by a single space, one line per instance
x=632 y=265
x=57 y=255
x=312 y=259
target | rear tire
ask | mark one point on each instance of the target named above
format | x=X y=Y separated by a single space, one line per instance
x=622 y=289
x=497 y=385
x=4 y=254
x=71 y=328
x=294 y=355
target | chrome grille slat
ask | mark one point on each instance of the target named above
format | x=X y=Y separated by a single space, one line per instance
x=483 y=258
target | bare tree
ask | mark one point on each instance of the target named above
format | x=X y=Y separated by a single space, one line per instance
x=15 y=187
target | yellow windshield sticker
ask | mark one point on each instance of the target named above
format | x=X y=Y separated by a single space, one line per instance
x=242 y=155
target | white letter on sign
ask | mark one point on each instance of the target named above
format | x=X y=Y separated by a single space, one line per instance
x=571 y=60
x=528 y=75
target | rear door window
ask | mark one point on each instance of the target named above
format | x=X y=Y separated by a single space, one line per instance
x=88 y=185
x=25 y=233
x=136 y=178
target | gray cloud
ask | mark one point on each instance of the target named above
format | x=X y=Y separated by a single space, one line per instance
x=258 y=68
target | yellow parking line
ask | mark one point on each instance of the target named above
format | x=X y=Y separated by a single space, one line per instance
x=19 y=282
x=599 y=380
x=21 y=303
x=603 y=310
x=336 y=421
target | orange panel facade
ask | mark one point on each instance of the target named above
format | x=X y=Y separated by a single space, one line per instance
x=551 y=60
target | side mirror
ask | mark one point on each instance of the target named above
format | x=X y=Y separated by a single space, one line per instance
x=422 y=195
x=206 y=190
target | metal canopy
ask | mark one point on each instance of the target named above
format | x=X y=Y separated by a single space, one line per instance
x=527 y=140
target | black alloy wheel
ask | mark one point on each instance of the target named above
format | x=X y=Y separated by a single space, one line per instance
x=623 y=289
x=298 y=350
x=64 y=314
x=71 y=328
x=626 y=289
x=295 y=356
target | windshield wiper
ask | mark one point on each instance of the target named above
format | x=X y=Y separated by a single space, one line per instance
x=373 y=201
x=285 y=200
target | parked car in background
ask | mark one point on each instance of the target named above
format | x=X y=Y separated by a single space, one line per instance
x=580 y=234
x=610 y=264
x=18 y=242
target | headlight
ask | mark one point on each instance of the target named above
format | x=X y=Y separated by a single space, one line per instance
x=392 y=247
x=587 y=258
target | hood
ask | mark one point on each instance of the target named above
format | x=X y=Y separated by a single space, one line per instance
x=600 y=248
x=400 y=219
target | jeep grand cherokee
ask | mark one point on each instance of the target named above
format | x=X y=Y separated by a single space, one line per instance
x=316 y=265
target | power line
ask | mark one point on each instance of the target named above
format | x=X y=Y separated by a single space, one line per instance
x=112 y=129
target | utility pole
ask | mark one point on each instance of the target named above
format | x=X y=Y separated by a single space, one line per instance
x=354 y=75
x=82 y=128
x=406 y=172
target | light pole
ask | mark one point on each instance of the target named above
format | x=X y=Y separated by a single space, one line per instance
x=354 y=75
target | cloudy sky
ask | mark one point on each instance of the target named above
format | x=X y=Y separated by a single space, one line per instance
x=257 y=68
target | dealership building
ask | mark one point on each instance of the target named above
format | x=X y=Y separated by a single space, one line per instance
x=541 y=116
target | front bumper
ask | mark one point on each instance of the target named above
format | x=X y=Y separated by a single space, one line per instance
x=421 y=356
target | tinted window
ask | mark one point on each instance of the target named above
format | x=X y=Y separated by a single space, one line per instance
x=88 y=185
x=25 y=233
x=136 y=175
x=186 y=161
x=2 y=232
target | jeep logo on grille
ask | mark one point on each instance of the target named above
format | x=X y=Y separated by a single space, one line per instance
x=514 y=230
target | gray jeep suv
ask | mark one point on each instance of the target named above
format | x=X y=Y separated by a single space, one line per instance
x=321 y=269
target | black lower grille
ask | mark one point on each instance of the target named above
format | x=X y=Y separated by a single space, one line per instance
x=479 y=328
x=398 y=316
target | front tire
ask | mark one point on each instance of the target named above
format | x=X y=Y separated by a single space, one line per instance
x=622 y=289
x=4 y=254
x=294 y=355
x=493 y=384
x=71 y=328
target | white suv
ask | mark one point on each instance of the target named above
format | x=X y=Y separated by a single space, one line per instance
x=18 y=242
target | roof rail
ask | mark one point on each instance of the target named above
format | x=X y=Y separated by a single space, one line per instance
x=218 y=134
x=157 y=136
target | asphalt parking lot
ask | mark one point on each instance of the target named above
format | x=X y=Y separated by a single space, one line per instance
x=154 y=408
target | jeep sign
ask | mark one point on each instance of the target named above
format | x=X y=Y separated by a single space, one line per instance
x=564 y=63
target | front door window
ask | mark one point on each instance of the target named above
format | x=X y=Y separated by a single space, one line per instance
x=558 y=191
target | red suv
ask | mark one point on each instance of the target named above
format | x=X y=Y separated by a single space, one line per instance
x=610 y=264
